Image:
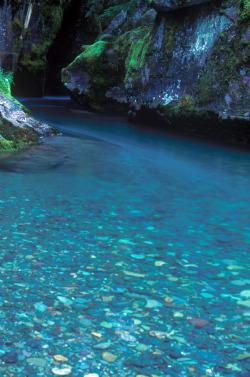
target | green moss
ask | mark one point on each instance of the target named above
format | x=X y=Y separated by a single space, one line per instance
x=51 y=16
x=221 y=68
x=5 y=83
x=244 y=11
x=101 y=13
x=137 y=46
x=241 y=111
x=17 y=136
x=7 y=145
x=11 y=138
x=146 y=50
x=171 y=38
x=94 y=52
x=184 y=113
x=100 y=62
x=114 y=7
x=36 y=61
x=184 y=108
x=134 y=48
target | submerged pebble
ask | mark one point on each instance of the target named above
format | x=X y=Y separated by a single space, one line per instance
x=110 y=266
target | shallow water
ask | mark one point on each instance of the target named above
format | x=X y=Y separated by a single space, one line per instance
x=128 y=237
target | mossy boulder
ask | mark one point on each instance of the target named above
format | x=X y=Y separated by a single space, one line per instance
x=17 y=127
x=92 y=73
x=100 y=76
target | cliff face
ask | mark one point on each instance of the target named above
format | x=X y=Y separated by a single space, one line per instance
x=186 y=61
x=181 y=61
x=27 y=30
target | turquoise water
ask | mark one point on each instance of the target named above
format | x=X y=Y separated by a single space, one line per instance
x=125 y=250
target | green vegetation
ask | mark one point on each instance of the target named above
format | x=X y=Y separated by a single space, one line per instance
x=111 y=9
x=100 y=62
x=185 y=114
x=101 y=13
x=244 y=11
x=171 y=37
x=133 y=48
x=35 y=61
x=228 y=57
x=185 y=107
x=51 y=16
x=5 y=83
x=11 y=137
x=7 y=145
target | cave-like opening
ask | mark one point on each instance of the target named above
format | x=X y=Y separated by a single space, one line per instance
x=66 y=46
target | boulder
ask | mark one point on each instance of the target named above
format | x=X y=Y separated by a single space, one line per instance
x=188 y=68
x=17 y=127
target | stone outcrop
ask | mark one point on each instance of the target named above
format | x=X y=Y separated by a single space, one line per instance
x=187 y=67
x=30 y=46
x=181 y=62
x=27 y=30
x=169 y=5
x=17 y=127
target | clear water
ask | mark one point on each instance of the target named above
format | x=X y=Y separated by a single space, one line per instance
x=112 y=216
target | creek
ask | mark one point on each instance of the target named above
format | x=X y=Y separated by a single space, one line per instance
x=125 y=249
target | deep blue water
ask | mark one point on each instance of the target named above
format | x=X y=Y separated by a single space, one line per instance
x=112 y=209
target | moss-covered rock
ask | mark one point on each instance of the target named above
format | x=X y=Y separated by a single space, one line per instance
x=188 y=66
x=96 y=68
x=5 y=83
x=17 y=127
x=25 y=45
x=100 y=76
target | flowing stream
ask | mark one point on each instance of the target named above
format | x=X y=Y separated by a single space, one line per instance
x=124 y=251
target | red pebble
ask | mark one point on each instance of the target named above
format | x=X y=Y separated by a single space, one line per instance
x=198 y=322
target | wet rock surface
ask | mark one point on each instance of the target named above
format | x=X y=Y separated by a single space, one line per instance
x=186 y=68
x=17 y=127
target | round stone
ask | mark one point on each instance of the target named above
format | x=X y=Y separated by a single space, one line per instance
x=64 y=300
x=168 y=299
x=159 y=263
x=107 y=356
x=199 y=322
x=10 y=357
x=40 y=307
x=245 y=294
x=37 y=361
x=244 y=303
x=153 y=304
x=60 y=358
x=62 y=371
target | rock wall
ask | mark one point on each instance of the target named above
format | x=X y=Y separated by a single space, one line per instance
x=184 y=62
x=181 y=62
x=25 y=51
x=30 y=46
